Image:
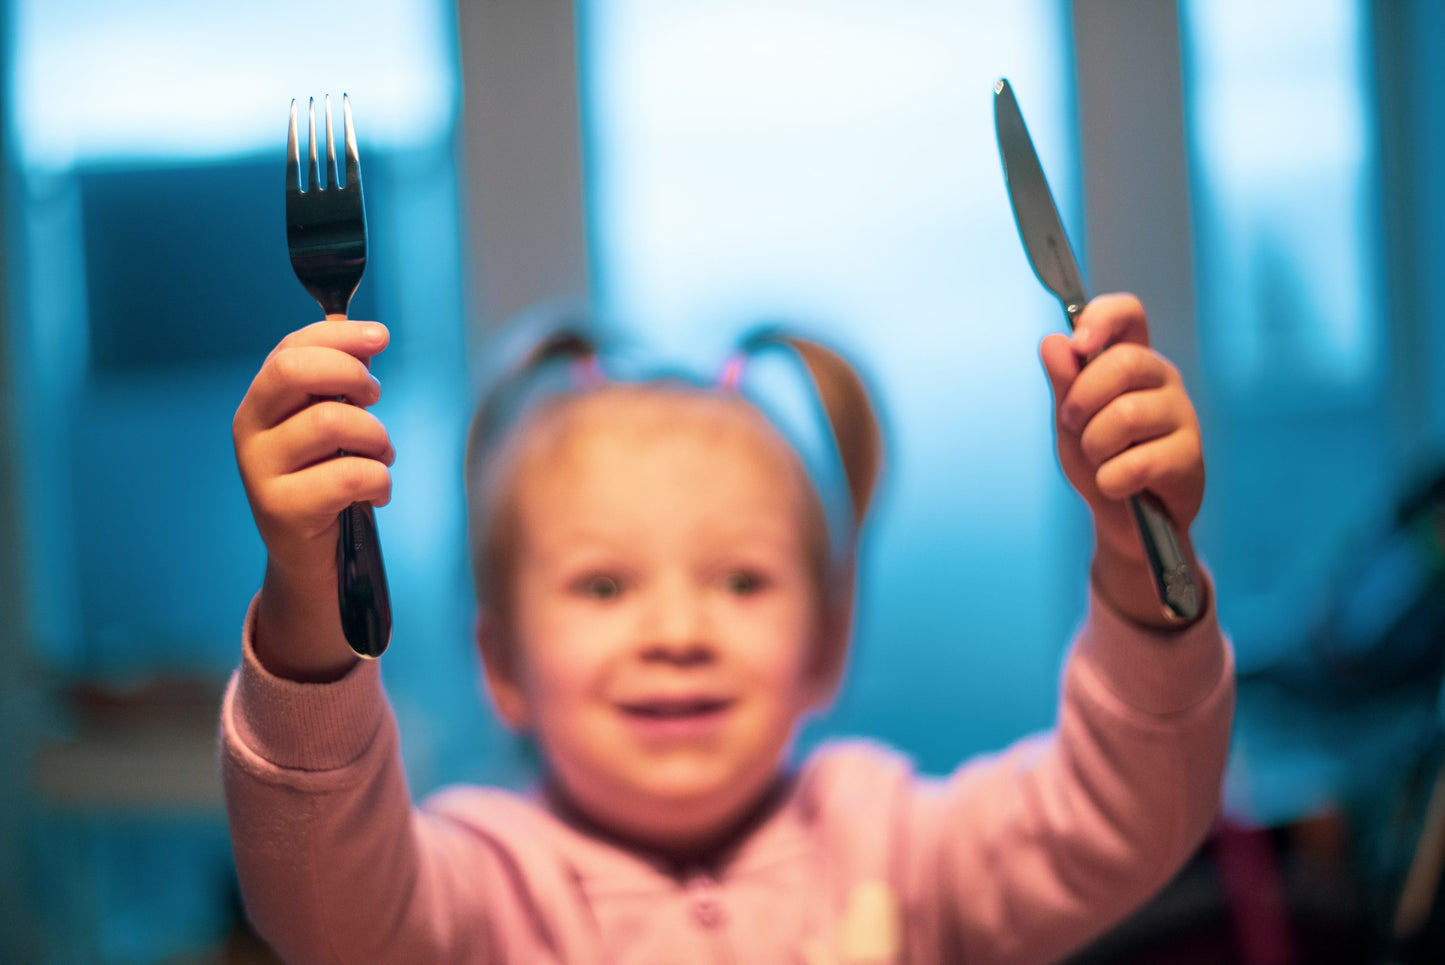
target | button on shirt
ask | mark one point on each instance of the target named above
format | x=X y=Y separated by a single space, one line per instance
x=706 y=901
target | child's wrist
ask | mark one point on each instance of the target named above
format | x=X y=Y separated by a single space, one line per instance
x=301 y=578
x=1123 y=578
x=297 y=633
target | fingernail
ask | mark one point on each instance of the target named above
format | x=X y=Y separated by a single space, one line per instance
x=375 y=386
x=372 y=331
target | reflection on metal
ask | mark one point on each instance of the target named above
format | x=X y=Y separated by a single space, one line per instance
x=1053 y=261
x=326 y=238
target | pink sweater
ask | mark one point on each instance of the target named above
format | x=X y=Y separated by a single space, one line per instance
x=1020 y=857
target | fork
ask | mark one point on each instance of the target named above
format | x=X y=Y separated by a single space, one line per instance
x=326 y=237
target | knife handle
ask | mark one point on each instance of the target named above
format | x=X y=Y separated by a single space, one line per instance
x=1173 y=580
x=361 y=589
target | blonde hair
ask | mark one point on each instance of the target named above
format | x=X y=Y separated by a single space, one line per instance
x=560 y=364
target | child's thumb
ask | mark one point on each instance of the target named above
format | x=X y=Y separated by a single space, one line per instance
x=1061 y=364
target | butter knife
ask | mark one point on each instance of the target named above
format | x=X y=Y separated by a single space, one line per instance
x=1053 y=261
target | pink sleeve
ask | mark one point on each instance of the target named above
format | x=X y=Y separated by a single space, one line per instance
x=1026 y=856
x=334 y=863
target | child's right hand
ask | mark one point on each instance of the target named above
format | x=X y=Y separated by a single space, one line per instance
x=288 y=433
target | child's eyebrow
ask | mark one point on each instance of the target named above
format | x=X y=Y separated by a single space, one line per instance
x=758 y=531
x=594 y=536
x=581 y=538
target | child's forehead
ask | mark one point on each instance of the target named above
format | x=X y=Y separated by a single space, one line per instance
x=584 y=449
x=637 y=416
x=683 y=456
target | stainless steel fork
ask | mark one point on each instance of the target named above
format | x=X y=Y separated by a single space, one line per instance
x=326 y=236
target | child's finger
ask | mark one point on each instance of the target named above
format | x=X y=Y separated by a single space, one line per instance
x=1163 y=466
x=294 y=376
x=1121 y=368
x=1128 y=420
x=1061 y=364
x=357 y=338
x=317 y=433
x=1110 y=320
x=322 y=491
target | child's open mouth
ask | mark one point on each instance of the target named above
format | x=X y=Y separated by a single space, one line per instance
x=671 y=709
x=676 y=718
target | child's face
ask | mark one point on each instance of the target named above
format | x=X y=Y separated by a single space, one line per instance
x=663 y=632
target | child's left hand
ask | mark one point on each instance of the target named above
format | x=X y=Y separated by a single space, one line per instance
x=1124 y=424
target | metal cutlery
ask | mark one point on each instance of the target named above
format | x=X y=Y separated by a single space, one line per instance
x=326 y=238
x=1052 y=259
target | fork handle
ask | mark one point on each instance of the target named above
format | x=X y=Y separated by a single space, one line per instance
x=361 y=591
x=361 y=583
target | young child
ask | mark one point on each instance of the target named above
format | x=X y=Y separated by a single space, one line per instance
x=663 y=597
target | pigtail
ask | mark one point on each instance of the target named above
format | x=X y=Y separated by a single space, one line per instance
x=545 y=353
x=857 y=439
x=846 y=405
x=531 y=351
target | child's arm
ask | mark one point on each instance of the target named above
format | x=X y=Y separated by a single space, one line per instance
x=1056 y=840
x=287 y=432
x=1022 y=858
x=334 y=862
x=1124 y=424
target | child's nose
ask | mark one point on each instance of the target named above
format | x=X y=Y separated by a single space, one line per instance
x=678 y=653
x=675 y=629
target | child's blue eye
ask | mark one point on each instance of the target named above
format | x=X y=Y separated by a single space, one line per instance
x=601 y=588
x=743 y=583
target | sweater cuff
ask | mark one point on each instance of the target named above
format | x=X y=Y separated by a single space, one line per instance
x=302 y=726
x=1155 y=672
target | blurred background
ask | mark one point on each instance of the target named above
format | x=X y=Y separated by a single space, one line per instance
x=1262 y=175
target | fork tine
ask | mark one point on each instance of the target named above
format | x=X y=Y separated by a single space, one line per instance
x=353 y=163
x=293 y=155
x=330 y=148
x=314 y=181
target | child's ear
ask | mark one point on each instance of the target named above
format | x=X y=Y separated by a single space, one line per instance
x=499 y=671
x=833 y=639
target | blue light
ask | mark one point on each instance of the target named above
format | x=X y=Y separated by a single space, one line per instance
x=158 y=78
x=1283 y=150
x=836 y=164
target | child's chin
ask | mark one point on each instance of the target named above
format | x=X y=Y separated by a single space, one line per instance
x=694 y=807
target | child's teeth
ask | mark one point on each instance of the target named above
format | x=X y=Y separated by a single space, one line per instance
x=677 y=710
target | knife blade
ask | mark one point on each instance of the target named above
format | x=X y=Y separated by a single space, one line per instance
x=1052 y=259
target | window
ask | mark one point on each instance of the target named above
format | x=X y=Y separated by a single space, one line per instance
x=837 y=165
x=1284 y=165
x=148 y=278
x=1283 y=148
x=149 y=142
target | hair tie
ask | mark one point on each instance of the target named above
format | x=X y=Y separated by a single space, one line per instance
x=731 y=377
x=586 y=371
